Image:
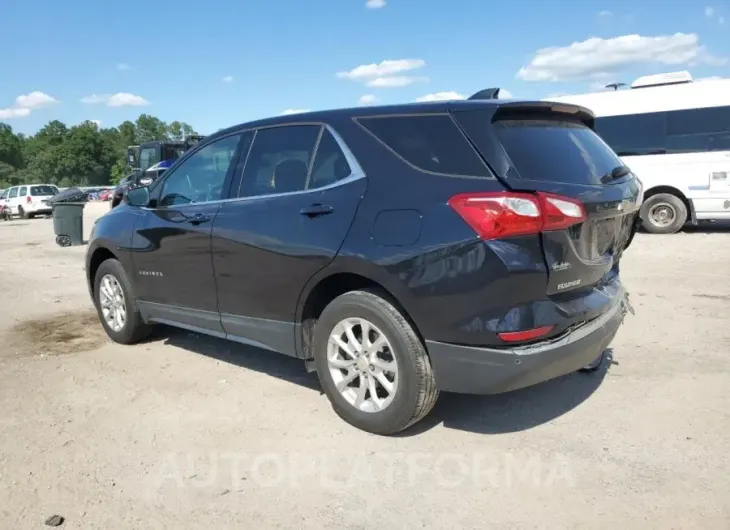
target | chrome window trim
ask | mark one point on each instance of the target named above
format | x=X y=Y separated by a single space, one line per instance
x=356 y=173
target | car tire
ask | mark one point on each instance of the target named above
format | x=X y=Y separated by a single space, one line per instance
x=22 y=213
x=133 y=329
x=663 y=213
x=413 y=384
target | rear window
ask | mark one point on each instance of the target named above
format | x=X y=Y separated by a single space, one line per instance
x=429 y=142
x=556 y=151
x=40 y=191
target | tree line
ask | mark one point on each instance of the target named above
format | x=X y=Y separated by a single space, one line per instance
x=81 y=155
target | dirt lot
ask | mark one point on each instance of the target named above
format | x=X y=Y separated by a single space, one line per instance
x=190 y=432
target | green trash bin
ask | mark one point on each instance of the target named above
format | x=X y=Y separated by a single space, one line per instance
x=68 y=223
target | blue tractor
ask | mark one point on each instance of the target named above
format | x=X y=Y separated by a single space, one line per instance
x=149 y=160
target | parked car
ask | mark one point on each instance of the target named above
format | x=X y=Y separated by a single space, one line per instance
x=30 y=200
x=468 y=246
x=105 y=195
x=4 y=208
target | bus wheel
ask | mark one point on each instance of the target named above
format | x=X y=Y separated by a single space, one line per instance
x=663 y=213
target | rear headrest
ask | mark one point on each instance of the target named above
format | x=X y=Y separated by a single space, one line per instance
x=290 y=175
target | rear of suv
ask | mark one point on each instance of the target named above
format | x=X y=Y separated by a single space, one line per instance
x=468 y=246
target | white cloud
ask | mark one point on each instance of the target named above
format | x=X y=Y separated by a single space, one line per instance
x=367 y=99
x=120 y=99
x=441 y=96
x=504 y=94
x=375 y=4
x=123 y=99
x=26 y=103
x=709 y=12
x=605 y=13
x=384 y=68
x=228 y=79
x=394 y=81
x=287 y=112
x=123 y=66
x=34 y=100
x=556 y=95
x=10 y=113
x=596 y=58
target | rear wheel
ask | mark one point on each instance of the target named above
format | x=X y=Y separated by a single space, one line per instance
x=116 y=305
x=663 y=213
x=22 y=213
x=372 y=365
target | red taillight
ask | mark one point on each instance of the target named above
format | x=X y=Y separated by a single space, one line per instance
x=28 y=199
x=498 y=215
x=524 y=336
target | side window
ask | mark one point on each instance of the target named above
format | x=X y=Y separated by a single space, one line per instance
x=698 y=121
x=429 y=142
x=200 y=178
x=697 y=130
x=278 y=161
x=13 y=193
x=330 y=164
x=634 y=134
x=23 y=191
x=148 y=157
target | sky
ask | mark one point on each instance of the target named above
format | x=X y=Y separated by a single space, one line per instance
x=218 y=63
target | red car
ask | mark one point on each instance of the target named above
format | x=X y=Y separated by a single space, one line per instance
x=105 y=195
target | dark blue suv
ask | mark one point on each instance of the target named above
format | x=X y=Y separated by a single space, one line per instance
x=467 y=246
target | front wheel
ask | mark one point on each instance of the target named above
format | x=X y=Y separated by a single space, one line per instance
x=663 y=213
x=116 y=306
x=22 y=213
x=372 y=365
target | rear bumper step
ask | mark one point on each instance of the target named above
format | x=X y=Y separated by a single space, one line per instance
x=475 y=370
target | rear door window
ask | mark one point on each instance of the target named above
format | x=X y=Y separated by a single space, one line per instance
x=23 y=191
x=330 y=164
x=40 y=191
x=279 y=160
x=430 y=142
x=556 y=151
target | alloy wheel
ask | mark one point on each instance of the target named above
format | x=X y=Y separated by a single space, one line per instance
x=113 y=305
x=362 y=364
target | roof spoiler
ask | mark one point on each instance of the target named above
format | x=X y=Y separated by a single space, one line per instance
x=487 y=93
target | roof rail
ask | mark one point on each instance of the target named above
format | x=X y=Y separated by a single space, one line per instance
x=487 y=93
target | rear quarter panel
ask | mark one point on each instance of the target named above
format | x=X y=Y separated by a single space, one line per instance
x=454 y=286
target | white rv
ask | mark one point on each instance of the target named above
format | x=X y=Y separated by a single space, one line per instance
x=674 y=133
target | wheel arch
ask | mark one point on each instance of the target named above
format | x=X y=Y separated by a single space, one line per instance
x=98 y=256
x=335 y=281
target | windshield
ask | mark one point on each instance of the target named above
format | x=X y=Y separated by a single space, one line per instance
x=148 y=156
x=556 y=151
x=173 y=152
x=40 y=191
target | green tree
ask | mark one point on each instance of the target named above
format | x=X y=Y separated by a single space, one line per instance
x=80 y=155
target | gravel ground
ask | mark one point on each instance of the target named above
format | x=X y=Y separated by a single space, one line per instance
x=190 y=432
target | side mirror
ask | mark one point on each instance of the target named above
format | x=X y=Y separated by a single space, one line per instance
x=138 y=196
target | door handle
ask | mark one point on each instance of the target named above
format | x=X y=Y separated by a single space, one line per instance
x=198 y=218
x=315 y=210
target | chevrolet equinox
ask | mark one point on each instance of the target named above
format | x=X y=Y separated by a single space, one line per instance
x=465 y=246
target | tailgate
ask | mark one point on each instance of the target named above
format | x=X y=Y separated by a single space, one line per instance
x=554 y=151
